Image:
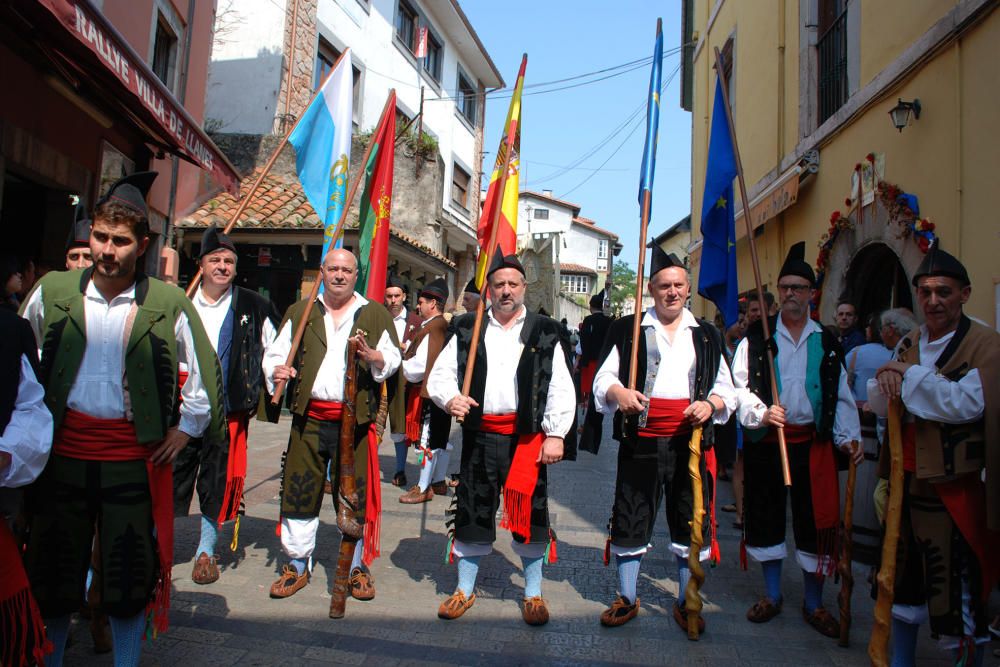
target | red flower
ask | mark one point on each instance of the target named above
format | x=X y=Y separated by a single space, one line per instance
x=928 y=225
x=848 y=202
x=857 y=167
x=835 y=216
x=923 y=244
x=870 y=157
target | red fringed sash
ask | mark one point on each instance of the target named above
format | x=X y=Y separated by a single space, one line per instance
x=666 y=418
x=373 y=502
x=910 y=447
x=236 y=466
x=414 y=412
x=91 y=439
x=712 y=467
x=587 y=372
x=21 y=624
x=825 y=491
x=965 y=500
x=325 y=411
x=523 y=475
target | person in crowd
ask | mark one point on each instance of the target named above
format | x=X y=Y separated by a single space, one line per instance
x=848 y=334
x=407 y=325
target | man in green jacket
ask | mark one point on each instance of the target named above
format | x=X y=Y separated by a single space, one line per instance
x=111 y=339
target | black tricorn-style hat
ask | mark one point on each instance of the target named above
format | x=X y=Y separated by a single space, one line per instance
x=79 y=231
x=393 y=280
x=471 y=288
x=131 y=191
x=213 y=240
x=435 y=289
x=504 y=262
x=662 y=260
x=597 y=301
x=939 y=263
x=796 y=264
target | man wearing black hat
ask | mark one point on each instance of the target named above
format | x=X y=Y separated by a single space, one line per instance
x=684 y=382
x=818 y=413
x=112 y=339
x=427 y=425
x=240 y=324
x=518 y=418
x=407 y=325
x=470 y=297
x=78 y=243
x=593 y=329
x=947 y=375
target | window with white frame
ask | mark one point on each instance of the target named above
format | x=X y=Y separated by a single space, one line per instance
x=434 y=57
x=406 y=25
x=466 y=98
x=164 y=52
x=460 y=179
x=326 y=57
x=574 y=284
x=602 y=249
x=541 y=214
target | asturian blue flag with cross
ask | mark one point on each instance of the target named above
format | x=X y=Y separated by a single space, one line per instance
x=717 y=275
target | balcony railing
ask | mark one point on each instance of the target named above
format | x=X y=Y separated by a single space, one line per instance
x=832 y=49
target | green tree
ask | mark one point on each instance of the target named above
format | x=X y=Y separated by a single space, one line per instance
x=622 y=285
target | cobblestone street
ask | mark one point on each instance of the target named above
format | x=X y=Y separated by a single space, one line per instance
x=234 y=622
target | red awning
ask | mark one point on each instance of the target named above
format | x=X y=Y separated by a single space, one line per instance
x=85 y=47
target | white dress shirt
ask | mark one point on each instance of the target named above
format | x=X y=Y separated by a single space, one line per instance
x=415 y=367
x=213 y=316
x=28 y=435
x=503 y=351
x=399 y=321
x=99 y=388
x=329 y=384
x=931 y=396
x=677 y=360
x=792 y=366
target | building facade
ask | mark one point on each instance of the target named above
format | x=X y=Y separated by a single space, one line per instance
x=812 y=84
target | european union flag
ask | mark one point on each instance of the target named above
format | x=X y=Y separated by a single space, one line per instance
x=652 y=119
x=717 y=277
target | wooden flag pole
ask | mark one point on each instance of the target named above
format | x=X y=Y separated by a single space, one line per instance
x=775 y=399
x=279 y=386
x=490 y=248
x=245 y=200
x=637 y=312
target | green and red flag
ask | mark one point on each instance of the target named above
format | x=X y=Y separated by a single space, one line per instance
x=506 y=236
x=375 y=207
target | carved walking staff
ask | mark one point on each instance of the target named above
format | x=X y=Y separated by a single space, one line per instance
x=692 y=594
x=878 y=646
x=844 y=566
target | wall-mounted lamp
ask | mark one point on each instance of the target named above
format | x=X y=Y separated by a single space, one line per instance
x=900 y=113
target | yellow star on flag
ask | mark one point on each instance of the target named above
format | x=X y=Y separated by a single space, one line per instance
x=721 y=203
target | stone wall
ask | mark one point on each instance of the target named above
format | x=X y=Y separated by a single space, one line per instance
x=301 y=58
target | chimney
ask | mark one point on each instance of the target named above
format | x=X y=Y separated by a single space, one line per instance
x=547 y=193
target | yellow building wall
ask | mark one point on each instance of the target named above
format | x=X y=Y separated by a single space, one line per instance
x=888 y=27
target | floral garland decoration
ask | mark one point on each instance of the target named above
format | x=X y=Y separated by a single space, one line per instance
x=904 y=211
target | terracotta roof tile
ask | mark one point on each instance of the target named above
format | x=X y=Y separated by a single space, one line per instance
x=566 y=267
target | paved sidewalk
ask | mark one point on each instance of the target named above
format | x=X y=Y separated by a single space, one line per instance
x=234 y=622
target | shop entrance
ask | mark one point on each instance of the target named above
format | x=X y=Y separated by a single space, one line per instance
x=35 y=220
x=876 y=281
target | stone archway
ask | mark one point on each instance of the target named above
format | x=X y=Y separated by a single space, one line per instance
x=870 y=264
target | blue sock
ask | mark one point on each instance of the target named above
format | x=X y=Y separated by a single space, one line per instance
x=813 y=584
x=772 y=578
x=904 y=643
x=532 y=576
x=628 y=575
x=468 y=568
x=209 y=537
x=299 y=564
x=57 y=630
x=401 y=457
x=683 y=577
x=126 y=633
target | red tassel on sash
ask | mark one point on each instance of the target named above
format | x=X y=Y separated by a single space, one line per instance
x=909 y=447
x=325 y=411
x=23 y=631
x=523 y=475
x=236 y=467
x=373 y=502
x=965 y=500
x=666 y=418
x=414 y=412
x=711 y=466
x=587 y=373
x=91 y=439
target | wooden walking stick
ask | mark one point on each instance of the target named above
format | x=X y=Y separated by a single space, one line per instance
x=844 y=567
x=775 y=399
x=245 y=200
x=347 y=492
x=878 y=645
x=692 y=594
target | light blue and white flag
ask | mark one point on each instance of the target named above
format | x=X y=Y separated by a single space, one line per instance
x=322 y=142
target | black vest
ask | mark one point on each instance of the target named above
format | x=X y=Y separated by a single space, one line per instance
x=542 y=339
x=593 y=331
x=244 y=374
x=707 y=354
x=17 y=340
x=759 y=372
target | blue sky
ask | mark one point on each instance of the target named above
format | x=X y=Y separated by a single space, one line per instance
x=564 y=39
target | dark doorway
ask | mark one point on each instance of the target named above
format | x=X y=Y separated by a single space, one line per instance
x=876 y=281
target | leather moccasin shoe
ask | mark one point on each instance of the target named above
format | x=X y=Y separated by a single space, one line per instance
x=456 y=605
x=681 y=617
x=415 y=496
x=821 y=620
x=764 y=610
x=362 y=584
x=205 y=571
x=535 y=611
x=289 y=583
x=620 y=612
x=440 y=488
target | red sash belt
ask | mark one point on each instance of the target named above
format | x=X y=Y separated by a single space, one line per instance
x=523 y=475
x=965 y=500
x=91 y=439
x=587 y=372
x=666 y=418
x=414 y=412
x=326 y=411
x=236 y=466
x=910 y=447
x=824 y=487
x=21 y=623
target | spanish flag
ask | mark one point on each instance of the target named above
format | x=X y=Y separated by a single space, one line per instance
x=506 y=233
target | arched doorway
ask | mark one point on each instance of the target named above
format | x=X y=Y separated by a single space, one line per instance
x=876 y=281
